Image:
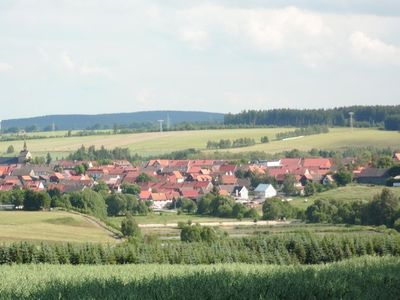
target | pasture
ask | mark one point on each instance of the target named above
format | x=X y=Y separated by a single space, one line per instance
x=350 y=192
x=155 y=143
x=56 y=226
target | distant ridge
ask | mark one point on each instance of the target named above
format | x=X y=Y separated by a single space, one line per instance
x=81 y=121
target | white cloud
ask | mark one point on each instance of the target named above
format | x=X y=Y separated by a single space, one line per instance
x=84 y=68
x=67 y=61
x=372 y=50
x=287 y=32
x=196 y=38
x=4 y=67
x=281 y=28
x=145 y=97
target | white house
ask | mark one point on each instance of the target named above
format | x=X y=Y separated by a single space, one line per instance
x=274 y=164
x=241 y=192
x=263 y=191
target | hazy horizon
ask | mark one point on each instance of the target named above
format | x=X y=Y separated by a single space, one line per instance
x=104 y=56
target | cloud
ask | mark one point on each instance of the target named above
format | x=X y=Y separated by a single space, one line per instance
x=84 y=68
x=373 y=50
x=197 y=38
x=4 y=67
x=278 y=29
x=145 y=97
x=67 y=61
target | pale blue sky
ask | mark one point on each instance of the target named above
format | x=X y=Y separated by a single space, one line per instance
x=99 y=56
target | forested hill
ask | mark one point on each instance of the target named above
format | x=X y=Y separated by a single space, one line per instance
x=364 y=116
x=133 y=120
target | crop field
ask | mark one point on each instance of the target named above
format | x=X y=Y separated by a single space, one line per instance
x=348 y=193
x=359 y=278
x=154 y=143
x=49 y=227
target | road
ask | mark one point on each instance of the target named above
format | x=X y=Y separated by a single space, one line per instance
x=222 y=224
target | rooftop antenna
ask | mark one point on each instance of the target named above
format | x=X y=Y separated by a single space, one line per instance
x=161 y=123
x=351 y=120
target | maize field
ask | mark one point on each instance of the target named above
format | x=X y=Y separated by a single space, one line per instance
x=358 y=278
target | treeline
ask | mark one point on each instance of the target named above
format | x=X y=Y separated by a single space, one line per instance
x=364 y=116
x=227 y=143
x=383 y=209
x=392 y=122
x=300 y=248
x=224 y=207
x=97 y=202
x=101 y=121
x=302 y=132
x=102 y=154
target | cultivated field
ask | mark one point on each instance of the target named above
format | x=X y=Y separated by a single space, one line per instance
x=360 y=278
x=51 y=227
x=154 y=143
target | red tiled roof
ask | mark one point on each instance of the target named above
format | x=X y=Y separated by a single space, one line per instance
x=144 y=195
x=227 y=168
x=228 y=179
x=322 y=163
x=290 y=162
x=158 y=197
x=58 y=175
x=190 y=194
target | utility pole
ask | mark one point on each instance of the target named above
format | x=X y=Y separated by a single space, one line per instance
x=351 y=120
x=161 y=124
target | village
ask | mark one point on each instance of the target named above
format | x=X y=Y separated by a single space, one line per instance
x=164 y=181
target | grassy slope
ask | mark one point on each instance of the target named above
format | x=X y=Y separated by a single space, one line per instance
x=49 y=226
x=157 y=143
x=347 y=193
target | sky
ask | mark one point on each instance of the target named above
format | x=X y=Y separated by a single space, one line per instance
x=104 y=56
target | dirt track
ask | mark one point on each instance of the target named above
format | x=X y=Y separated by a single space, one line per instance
x=222 y=224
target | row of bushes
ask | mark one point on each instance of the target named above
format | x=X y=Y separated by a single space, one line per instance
x=302 y=131
x=226 y=143
x=277 y=249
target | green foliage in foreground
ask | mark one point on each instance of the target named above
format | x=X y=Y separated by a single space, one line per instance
x=362 y=278
x=299 y=248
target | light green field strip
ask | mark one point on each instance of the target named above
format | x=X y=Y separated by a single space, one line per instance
x=49 y=226
x=154 y=143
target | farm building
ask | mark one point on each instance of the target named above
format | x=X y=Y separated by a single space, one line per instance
x=263 y=191
x=241 y=192
x=373 y=176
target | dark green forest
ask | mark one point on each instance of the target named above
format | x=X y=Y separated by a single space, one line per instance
x=364 y=116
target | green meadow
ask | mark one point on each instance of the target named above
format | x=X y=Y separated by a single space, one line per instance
x=50 y=226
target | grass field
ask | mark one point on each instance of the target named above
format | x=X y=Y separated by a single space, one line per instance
x=49 y=226
x=359 y=278
x=154 y=143
x=348 y=193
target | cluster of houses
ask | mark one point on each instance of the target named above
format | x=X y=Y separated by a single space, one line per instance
x=172 y=179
